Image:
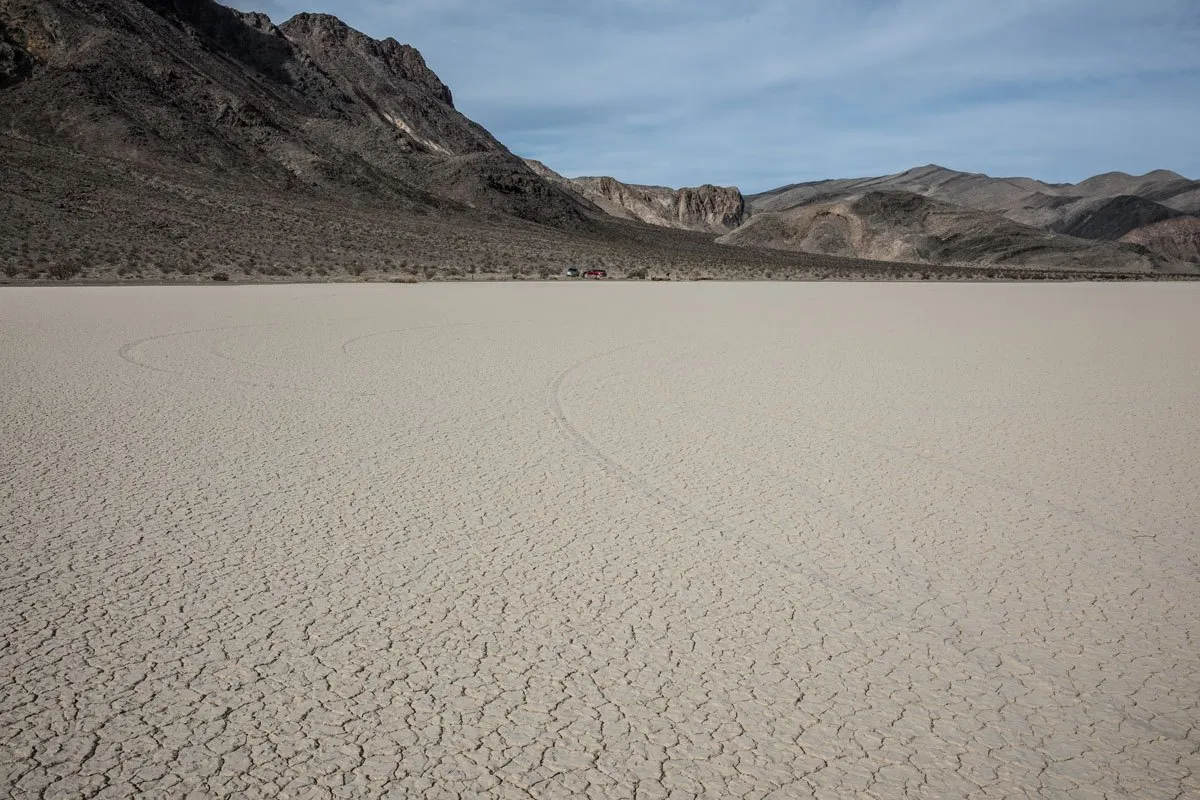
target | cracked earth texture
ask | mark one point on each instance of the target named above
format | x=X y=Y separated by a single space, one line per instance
x=602 y=541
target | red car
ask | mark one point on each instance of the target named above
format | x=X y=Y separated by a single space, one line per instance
x=595 y=273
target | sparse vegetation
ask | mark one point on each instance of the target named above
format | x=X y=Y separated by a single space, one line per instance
x=241 y=234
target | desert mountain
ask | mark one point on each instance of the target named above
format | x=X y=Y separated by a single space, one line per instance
x=893 y=225
x=716 y=209
x=307 y=104
x=1005 y=195
x=1105 y=207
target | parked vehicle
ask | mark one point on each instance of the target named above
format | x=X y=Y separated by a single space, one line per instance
x=572 y=272
x=595 y=273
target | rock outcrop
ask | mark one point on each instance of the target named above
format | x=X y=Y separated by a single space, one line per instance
x=715 y=209
x=353 y=56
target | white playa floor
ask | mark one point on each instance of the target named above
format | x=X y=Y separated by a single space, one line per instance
x=603 y=540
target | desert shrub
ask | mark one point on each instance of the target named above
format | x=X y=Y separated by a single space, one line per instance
x=220 y=276
x=62 y=270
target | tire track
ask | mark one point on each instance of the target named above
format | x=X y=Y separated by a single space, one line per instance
x=128 y=353
x=915 y=618
x=681 y=508
x=977 y=476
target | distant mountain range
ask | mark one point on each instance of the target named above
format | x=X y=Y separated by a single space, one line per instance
x=1107 y=207
x=194 y=137
x=932 y=214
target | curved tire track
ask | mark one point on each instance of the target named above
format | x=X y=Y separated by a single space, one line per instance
x=916 y=620
x=128 y=353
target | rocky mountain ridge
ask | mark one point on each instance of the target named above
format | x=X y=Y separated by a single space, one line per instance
x=715 y=209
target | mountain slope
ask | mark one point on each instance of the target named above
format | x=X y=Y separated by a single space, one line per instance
x=1109 y=218
x=1176 y=238
x=310 y=104
x=904 y=226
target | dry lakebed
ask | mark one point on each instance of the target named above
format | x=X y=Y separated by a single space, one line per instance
x=628 y=540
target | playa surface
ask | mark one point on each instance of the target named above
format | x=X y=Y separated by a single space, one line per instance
x=602 y=540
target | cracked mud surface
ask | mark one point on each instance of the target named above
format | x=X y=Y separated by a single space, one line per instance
x=735 y=541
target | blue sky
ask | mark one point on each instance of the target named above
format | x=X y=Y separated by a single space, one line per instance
x=762 y=93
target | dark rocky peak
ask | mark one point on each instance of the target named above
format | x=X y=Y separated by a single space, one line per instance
x=259 y=22
x=248 y=38
x=327 y=36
